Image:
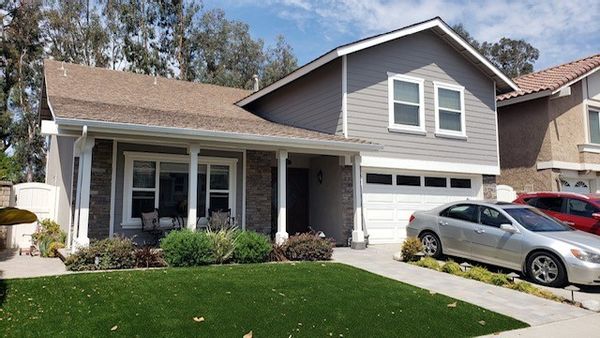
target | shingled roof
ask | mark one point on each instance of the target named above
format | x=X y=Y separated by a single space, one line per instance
x=553 y=78
x=76 y=92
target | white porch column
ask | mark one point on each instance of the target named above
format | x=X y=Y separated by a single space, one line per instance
x=281 y=236
x=358 y=235
x=193 y=187
x=83 y=193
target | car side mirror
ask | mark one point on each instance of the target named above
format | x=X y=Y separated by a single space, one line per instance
x=596 y=216
x=509 y=228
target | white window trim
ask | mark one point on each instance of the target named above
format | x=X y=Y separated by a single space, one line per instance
x=589 y=107
x=420 y=129
x=444 y=132
x=129 y=222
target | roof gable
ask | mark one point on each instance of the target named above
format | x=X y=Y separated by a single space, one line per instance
x=442 y=29
x=552 y=79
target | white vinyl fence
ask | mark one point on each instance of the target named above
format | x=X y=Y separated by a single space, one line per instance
x=505 y=193
x=38 y=198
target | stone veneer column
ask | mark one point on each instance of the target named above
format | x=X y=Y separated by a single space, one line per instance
x=347 y=202
x=100 y=185
x=258 y=190
x=6 y=199
x=489 y=187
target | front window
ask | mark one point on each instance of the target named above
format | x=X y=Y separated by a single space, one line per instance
x=594 y=120
x=406 y=103
x=450 y=110
x=535 y=220
x=159 y=181
x=492 y=217
x=580 y=208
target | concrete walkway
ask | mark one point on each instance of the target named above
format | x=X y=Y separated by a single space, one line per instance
x=588 y=326
x=529 y=309
x=14 y=266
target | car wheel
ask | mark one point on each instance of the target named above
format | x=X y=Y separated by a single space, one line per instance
x=432 y=246
x=546 y=269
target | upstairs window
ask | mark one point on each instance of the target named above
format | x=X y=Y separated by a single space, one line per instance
x=594 y=120
x=406 y=103
x=449 y=109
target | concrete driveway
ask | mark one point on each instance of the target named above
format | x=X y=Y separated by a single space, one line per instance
x=14 y=266
x=527 y=308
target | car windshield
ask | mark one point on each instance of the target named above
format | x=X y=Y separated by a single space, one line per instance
x=535 y=220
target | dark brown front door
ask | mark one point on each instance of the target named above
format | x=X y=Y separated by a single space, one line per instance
x=296 y=198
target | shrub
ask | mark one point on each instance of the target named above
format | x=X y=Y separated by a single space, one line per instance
x=499 y=279
x=429 y=262
x=187 y=248
x=479 y=274
x=410 y=248
x=277 y=253
x=452 y=267
x=530 y=289
x=223 y=242
x=149 y=257
x=112 y=253
x=49 y=238
x=308 y=247
x=251 y=247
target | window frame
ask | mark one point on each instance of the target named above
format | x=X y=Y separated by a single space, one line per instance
x=446 y=132
x=392 y=125
x=589 y=109
x=129 y=222
x=500 y=212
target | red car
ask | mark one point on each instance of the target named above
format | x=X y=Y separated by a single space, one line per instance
x=579 y=211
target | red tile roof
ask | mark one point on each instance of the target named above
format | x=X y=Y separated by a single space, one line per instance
x=552 y=78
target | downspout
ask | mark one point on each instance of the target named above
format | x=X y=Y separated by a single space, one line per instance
x=77 y=149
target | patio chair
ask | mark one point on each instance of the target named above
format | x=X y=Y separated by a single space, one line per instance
x=221 y=214
x=151 y=224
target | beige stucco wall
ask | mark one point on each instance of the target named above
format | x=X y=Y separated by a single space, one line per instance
x=567 y=125
x=524 y=139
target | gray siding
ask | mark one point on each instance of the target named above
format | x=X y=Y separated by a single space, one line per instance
x=313 y=102
x=59 y=173
x=120 y=170
x=426 y=56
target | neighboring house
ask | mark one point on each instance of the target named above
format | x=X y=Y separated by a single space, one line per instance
x=550 y=129
x=350 y=144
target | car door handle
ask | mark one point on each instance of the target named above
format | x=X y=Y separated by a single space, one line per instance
x=569 y=223
x=443 y=223
x=479 y=231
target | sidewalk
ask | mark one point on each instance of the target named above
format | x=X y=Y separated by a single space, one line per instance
x=529 y=309
x=14 y=266
x=588 y=326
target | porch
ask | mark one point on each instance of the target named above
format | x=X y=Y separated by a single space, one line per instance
x=266 y=189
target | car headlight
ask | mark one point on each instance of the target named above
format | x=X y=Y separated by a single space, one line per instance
x=586 y=256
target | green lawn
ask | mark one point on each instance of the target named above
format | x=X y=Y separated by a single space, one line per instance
x=272 y=300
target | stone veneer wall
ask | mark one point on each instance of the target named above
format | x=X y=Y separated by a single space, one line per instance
x=347 y=201
x=258 y=190
x=6 y=198
x=99 y=221
x=489 y=187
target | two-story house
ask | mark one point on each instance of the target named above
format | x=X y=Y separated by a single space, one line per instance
x=550 y=129
x=350 y=144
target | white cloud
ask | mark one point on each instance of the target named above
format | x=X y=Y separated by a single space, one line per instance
x=561 y=30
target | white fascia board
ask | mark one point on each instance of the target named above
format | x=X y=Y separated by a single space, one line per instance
x=576 y=80
x=49 y=128
x=568 y=165
x=523 y=98
x=420 y=165
x=355 y=47
x=221 y=136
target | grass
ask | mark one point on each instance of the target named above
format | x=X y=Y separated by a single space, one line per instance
x=272 y=300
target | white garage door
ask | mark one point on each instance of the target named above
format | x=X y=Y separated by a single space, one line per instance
x=580 y=186
x=390 y=198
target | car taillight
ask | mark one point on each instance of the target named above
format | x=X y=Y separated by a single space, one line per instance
x=412 y=217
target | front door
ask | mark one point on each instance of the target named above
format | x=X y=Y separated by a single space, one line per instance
x=296 y=200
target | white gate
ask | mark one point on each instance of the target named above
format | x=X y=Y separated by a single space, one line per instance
x=38 y=198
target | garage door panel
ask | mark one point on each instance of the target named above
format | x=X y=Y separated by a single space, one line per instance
x=387 y=208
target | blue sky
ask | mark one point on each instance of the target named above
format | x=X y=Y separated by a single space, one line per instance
x=561 y=30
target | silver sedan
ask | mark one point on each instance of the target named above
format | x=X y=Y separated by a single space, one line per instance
x=514 y=236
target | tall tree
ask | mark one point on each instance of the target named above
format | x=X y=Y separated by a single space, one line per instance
x=21 y=58
x=75 y=33
x=280 y=61
x=227 y=54
x=513 y=57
